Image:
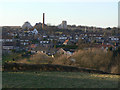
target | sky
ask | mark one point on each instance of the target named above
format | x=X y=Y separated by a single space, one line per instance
x=99 y=13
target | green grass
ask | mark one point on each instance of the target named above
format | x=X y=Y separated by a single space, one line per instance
x=58 y=80
x=9 y=57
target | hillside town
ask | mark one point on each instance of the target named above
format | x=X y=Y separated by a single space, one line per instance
x=50 y=39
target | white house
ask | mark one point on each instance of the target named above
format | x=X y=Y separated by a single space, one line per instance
x=114 y=38
x=35 y=31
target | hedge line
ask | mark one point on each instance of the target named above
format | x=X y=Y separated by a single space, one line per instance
x=46 y=67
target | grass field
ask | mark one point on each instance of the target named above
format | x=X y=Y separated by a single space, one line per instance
x=58 y=80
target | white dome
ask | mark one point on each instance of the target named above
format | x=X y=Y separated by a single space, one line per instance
x=26 y=25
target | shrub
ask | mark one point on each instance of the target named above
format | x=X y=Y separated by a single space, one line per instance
x=93 y=58
x=39 y=58
x=62 y=60
x=115 y=65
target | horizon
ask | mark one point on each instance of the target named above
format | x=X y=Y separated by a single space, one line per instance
x=86 y=13
x=57 y=25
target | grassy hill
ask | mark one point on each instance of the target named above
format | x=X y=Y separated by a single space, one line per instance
x=58 y=80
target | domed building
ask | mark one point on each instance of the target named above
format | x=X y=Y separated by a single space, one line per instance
x=26 y=25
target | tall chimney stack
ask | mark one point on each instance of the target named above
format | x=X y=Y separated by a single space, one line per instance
x=43 y=20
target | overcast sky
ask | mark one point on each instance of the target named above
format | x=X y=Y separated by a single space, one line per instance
x=100 y=13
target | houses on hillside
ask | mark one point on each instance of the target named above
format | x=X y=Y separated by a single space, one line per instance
x=29 y=37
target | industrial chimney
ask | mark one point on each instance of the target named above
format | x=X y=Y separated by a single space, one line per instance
x=43 y=20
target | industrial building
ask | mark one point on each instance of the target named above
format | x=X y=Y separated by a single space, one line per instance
x=63 y=25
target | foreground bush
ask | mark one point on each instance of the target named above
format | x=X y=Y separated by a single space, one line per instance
x=62 y=60
x=37 y=59
x=97 y=59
